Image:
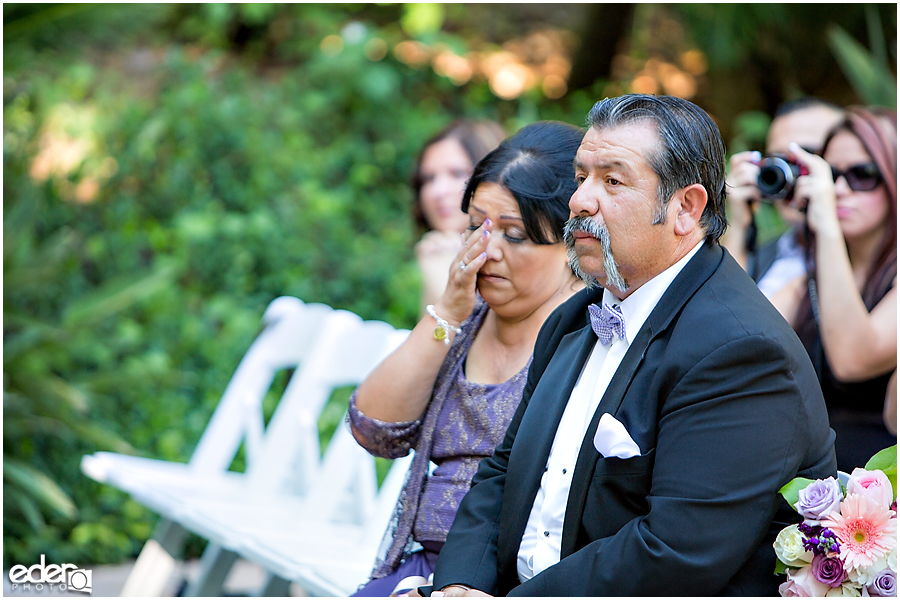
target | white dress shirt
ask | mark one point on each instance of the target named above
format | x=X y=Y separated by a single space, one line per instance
x=540 y=546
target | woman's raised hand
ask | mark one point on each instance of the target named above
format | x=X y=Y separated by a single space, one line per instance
x=458 y=300
x=815 y=192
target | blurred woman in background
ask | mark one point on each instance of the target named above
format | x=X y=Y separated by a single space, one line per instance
x=452 y=402
x=443 y=167
x=846 y=314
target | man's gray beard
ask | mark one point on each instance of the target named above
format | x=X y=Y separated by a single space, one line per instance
x=587 y=225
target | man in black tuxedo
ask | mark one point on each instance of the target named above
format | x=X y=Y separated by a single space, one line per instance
x=658 y=425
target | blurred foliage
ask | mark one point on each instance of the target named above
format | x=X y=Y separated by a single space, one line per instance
x=169 y=169
x=868 y=71
x=157 y=196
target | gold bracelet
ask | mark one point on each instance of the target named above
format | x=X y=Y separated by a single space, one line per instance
x=442 y=331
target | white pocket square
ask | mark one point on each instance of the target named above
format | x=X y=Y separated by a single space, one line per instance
x=612 y=439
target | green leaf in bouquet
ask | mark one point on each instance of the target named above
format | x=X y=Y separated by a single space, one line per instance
x=886 y=462
x=791 y=491
x=780 y=567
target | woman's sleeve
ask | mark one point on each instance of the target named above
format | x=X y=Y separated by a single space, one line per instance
x=393 y=440
x=380 y=438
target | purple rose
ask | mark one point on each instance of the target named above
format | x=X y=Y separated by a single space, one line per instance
x=829 y=571
x=819 y=499
x=885 y=584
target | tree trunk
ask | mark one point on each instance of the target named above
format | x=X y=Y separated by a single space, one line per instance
x=603 y=27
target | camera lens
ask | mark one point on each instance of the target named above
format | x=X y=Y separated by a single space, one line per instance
x=776 y=178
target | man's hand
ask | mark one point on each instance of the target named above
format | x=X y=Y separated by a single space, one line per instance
x=458 y=591
x=413 y=593
x=451 y=591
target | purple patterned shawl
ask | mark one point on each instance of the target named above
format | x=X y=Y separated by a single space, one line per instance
x=463 y=423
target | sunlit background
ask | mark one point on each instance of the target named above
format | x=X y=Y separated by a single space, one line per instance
x=170 y=169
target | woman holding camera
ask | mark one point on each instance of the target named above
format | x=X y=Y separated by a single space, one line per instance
x=847 y=317
x=777 y=262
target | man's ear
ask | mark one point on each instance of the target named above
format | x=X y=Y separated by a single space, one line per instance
x=689 y=203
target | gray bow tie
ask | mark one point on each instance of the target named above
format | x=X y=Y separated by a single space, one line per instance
x=606 y=321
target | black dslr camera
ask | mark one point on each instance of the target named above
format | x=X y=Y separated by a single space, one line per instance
x=777 y=176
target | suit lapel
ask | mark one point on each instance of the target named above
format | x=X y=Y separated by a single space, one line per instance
x=695 y=273
x=537 y=430
x=588 y=455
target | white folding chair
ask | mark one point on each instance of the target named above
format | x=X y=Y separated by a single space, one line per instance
x=288 y=487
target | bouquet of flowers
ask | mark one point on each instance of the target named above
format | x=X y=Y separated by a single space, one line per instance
x=847 y=542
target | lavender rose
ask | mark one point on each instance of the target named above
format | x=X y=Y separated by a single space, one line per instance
x=829 y=571
x=885 y=584
x=819 y=499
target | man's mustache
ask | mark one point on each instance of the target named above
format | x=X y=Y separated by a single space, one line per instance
x=601 y=233
x=586 y=225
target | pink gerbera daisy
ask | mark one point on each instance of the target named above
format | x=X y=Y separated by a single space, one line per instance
x=865 y=530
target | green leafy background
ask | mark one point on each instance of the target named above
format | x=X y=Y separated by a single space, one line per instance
x=223 y=156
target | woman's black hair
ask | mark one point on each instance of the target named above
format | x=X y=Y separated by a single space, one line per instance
x=536 y=166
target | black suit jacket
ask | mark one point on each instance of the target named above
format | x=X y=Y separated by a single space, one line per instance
x=719 y=394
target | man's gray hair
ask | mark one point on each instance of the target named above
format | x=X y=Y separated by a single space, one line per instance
x=691 y=151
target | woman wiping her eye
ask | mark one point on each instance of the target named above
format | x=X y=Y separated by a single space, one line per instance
x=450 y=390
x=442 y=170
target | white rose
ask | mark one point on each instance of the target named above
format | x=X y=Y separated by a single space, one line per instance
x=789 y=547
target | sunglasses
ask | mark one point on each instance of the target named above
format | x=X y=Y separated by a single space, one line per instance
x=860 y=178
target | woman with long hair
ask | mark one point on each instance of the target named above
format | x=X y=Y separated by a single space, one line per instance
x=846 y=313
